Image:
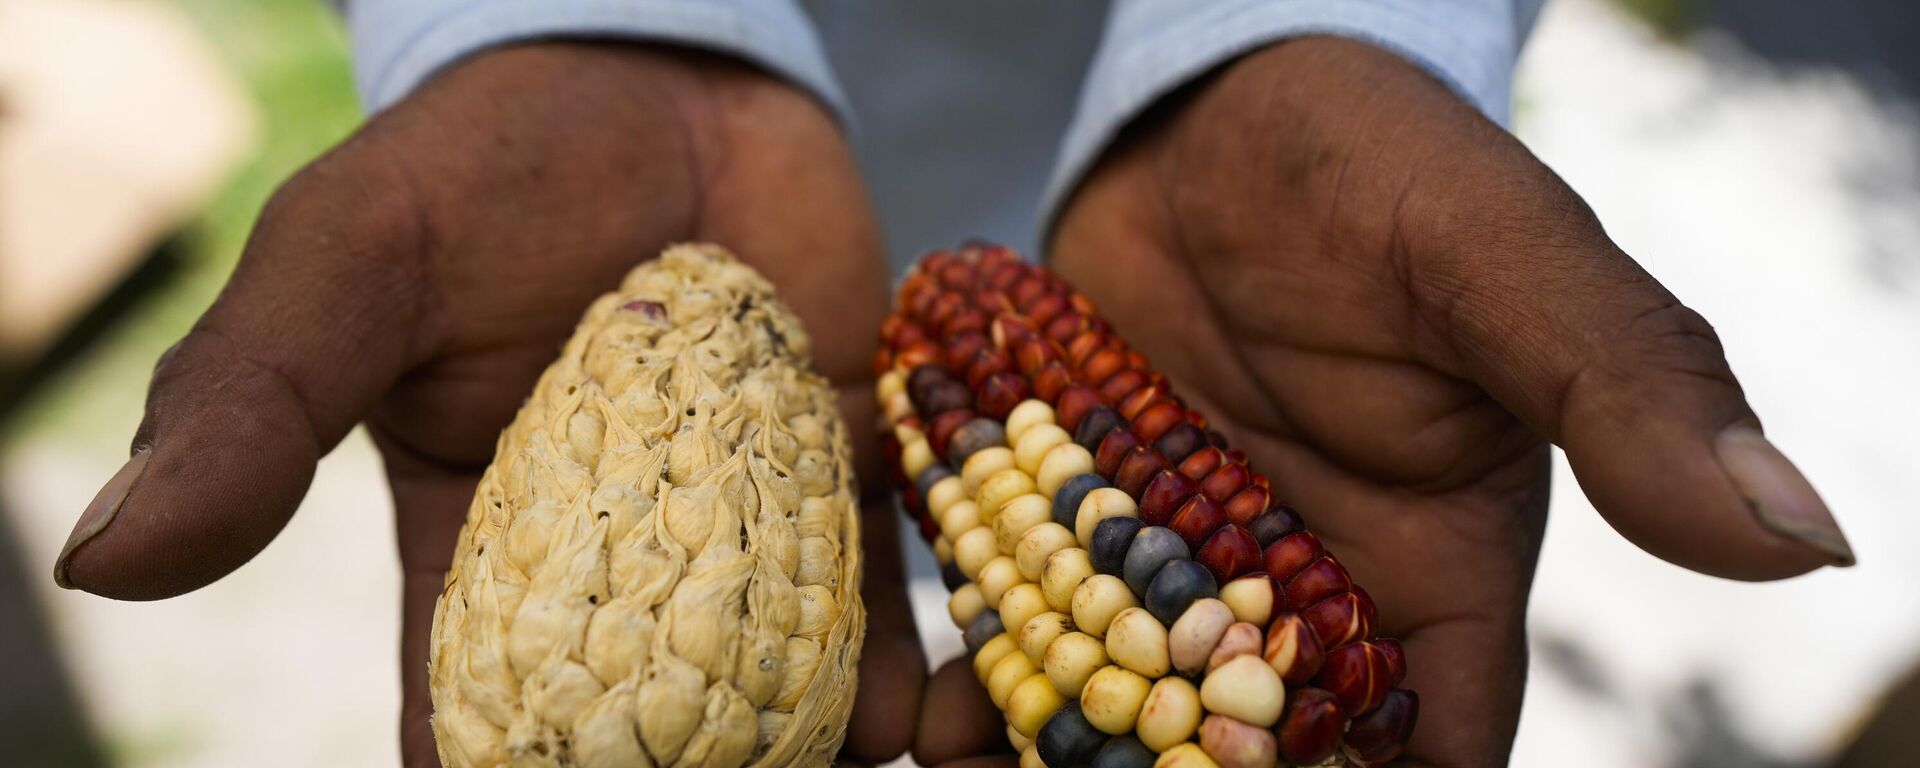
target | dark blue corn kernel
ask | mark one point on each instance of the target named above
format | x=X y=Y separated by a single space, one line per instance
x=1094 y=427
x=973 y=437
x=1066 y=501
x=1177 y=585
x=1111 y=538
x=1152 y=548
x=1278 y=521
x=934 y=473
x=985 y=626
x=1123 y=752
x=1068 y=740
x=951 y=576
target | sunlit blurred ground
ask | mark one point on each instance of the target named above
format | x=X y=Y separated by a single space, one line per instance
x=1778 y=204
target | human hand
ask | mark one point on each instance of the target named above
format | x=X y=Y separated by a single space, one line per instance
x=1393 y=307
x=421 y=275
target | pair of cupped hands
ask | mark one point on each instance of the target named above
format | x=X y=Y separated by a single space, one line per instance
x=1380 y=295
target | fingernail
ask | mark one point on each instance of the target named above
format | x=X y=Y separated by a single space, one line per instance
x=1780 y=497
x=100 y=512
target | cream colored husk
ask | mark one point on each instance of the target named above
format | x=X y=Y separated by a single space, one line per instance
x=661 y=566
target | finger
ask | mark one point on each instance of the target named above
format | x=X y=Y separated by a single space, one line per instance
x=309 y=330
x=893 y=668
x=1524 y=294
x=957 y=720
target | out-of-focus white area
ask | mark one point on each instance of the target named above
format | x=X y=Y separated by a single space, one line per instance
x=1738 y=187
x=293 y=660
x=1736 y=184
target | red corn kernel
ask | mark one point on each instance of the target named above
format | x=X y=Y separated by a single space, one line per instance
x=917 y=354
x=1233 y=454
x=1073 y=405
x=1202 y=463
x=1010 y=333
x=1311 y=726
x=1081 y=304
x=1082 y=347
x=1164 y=495
x=1066 y=326
x=1121 y=384
x=958 y=275
x=1113 y=450
x=945 y=307
x=1032 y=353
x=1292 y=649
x=1050 y=381
x=1139 y=466
x=1369 y=615
x=1199 y=419
x=1044 y=308
x=994 y=303
x=1357 y=675
x=1027 y=288
x=1102 y=365
x=1396 y=659
x=1223 y=483
x=1377 y=737
x=941 y=429
x=961 y=350
x=994 y=255
x=1229 y=552
x=1340 y=619
x=969 y=320
x=1000 y=393
x=1131 y=405
x=1196 y=520
x=1098 y=323
x=1137 y=360
x=920 y=305
x=891 y=325
x=1248 y=504
x=987 y=362
x=881 y=362
x=1155 y=421
x=1321 y=579
x=1260 y=481
x=1291 y=554
x=1002 y=276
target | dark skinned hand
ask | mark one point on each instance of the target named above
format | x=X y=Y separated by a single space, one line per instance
x=421 y=275
x=1393 y=308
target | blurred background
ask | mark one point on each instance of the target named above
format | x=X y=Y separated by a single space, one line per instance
x=1760 y=157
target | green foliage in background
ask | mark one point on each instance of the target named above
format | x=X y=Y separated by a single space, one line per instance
x=291 y=56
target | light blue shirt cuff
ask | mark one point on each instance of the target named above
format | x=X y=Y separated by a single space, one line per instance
x=400 y=43
x=1152 y=47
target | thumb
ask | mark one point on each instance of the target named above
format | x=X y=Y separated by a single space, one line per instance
x=1534 y=303
x=311 y=328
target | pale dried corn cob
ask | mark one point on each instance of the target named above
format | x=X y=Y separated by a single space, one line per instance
x=1179 y=608
x=661 y=566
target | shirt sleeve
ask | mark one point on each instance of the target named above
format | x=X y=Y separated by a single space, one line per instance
x=398 y=44
x=1152 y=47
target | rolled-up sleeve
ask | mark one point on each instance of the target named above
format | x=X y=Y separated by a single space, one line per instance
x=1152 y=47
x=400 y=43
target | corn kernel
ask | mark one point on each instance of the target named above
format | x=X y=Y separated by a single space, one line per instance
x=1100 y=598
x=1033 y=446
x=1071 y=659
x=1112 y=699
x=1061 y=577
x=1027 y=414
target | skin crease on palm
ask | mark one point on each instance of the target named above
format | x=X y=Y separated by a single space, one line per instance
x=1376 y=292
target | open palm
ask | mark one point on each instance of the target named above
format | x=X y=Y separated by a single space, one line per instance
x=1392 y=307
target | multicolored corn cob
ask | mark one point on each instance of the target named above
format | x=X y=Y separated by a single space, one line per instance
x=1131 y=591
